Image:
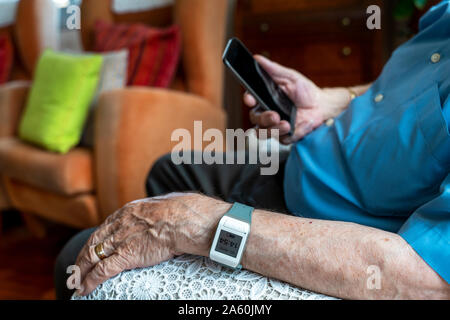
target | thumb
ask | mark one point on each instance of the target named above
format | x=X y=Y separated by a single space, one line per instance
x=274 y=69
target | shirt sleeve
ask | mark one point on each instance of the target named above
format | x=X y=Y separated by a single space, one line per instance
x=437 y=12
x=428 y=232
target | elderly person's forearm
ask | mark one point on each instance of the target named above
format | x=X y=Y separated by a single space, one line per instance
x=324 y=256
x=334 y=258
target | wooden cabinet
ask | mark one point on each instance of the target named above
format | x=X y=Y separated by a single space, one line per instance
x=326 y=40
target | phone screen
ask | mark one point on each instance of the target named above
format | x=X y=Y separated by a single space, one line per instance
x=257 y=81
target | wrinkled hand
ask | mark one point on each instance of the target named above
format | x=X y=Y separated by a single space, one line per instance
x=147 y=232
x=314 y=105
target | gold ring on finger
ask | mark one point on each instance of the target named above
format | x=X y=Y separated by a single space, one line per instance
x=99 y=251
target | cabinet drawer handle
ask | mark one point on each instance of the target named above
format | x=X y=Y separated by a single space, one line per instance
x=264 y=27
x=346 y=51
x=346 y=21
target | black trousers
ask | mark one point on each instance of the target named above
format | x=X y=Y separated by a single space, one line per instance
x=231 y=182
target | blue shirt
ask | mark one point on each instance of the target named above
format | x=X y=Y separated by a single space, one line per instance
x=385 y=162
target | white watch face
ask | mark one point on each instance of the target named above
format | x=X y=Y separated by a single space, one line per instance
x=229 y=242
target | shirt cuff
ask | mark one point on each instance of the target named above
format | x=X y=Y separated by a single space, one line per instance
x=429 y=243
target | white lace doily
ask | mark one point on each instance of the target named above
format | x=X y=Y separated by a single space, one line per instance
x=189 y=277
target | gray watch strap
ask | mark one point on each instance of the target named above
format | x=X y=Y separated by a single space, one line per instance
x=241 y=212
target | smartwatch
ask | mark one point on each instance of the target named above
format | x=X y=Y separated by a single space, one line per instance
x=231 y=236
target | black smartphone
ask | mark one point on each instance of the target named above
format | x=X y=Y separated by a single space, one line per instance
x=258 y=82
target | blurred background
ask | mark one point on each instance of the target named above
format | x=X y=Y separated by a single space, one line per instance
x=46 y=197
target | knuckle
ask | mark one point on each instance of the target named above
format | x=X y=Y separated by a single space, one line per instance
x=119 y=222
x=91 y=255
x=120 y=234
x=121 y=263
x=126 y=251
x=125 y=255
x=82 y=261
x=96 y=237
x=92 y=238
x=112 y=217
x=102 y=268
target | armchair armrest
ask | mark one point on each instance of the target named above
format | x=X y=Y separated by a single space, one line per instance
x=13 y=96
x=133 y=128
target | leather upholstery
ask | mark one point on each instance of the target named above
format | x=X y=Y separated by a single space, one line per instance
x=78 y=211
x=203 y=31
x=133 y=126
x=13 y=96
x=133 y=129
x=18 y=71
x=36 y=29
x=202 y=24
x=66 y=174
x=33 y=31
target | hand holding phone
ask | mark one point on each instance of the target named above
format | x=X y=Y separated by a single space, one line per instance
x=295 y=105
x=258 y=82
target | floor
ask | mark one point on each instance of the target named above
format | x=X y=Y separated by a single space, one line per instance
x=26 y=262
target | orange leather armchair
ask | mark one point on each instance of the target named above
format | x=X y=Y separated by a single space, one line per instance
x=133 y=126
x=33 y=30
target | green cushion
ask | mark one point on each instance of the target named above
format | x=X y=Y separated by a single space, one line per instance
x=58 y=105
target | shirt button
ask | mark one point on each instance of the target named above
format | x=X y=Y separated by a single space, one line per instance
x=329 y=122
x=435 y=58
x=379 y=97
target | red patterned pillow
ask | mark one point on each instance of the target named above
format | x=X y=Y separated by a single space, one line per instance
x=153 y=53
x=6 y=57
